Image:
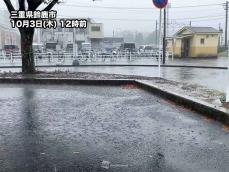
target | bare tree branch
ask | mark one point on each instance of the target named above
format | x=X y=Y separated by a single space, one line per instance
x=38 y=4
x=51 y=5
x=34 y=4
x=21 y=5
x=9 y=5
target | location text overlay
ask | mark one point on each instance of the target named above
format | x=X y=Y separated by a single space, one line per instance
x=43 y=19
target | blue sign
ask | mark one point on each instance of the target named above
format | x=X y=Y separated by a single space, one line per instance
x=160 y=3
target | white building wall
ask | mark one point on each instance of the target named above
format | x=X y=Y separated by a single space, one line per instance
x=1 y=40
x=96 y=31
x=63 y=37
x=9 y=35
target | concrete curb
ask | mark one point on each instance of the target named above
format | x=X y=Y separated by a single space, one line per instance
x=66 y=81
x=121 y=65
x=205 y=109
x=163 y=66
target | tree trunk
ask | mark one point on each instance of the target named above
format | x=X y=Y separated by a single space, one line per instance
x=28 y=65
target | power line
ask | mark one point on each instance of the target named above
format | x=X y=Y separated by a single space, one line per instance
x=201 y=17
x=136 y=8
x=133 y=8
x=196 y=6
x=173 y=19
x=83 y=5
x=208 y=18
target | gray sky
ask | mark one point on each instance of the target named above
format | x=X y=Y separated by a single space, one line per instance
x=116 y=19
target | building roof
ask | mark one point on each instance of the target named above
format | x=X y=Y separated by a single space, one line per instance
x=203 y=29
x=198 y=30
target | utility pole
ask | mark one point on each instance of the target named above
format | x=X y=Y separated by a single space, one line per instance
x=219 y=36
x=226 y=23
x=164 y=37
x=156 y=32
x=75 y=47
x=168 y=10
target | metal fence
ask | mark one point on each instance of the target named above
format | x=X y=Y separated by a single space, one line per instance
x=60 y=58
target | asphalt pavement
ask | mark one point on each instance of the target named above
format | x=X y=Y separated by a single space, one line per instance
x=98 y=129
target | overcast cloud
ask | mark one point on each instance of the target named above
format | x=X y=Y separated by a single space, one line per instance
x=142 y=20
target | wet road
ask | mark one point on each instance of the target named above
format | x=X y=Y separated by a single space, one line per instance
x=96 y=129
x=210 y=78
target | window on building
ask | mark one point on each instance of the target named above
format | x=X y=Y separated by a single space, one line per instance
x=202 y=41
x=95 y=28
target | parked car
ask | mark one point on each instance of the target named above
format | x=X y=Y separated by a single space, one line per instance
x=130 y=47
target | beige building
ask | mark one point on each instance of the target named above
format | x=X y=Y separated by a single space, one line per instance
x=195 y=42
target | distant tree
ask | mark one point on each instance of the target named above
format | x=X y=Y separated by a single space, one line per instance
x=128 y=36
x=151 y=38
x=139 y=38
x=27 y=34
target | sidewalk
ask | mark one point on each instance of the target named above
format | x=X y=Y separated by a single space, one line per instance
x=193 y=90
